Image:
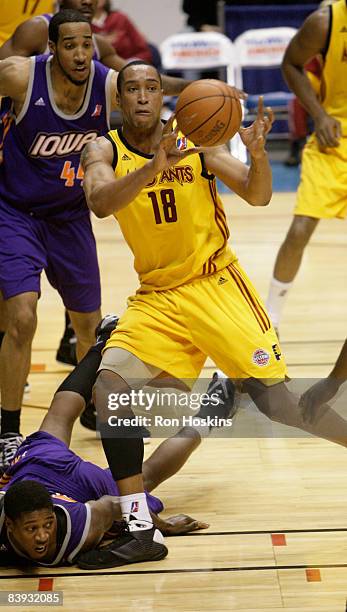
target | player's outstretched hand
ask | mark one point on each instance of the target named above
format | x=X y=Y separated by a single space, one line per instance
x=316 y=396
x=168 y=153
x=327 y=130
x=254 y=136
x=181 y=524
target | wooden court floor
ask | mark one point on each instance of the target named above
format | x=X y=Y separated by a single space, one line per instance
x=275 y=500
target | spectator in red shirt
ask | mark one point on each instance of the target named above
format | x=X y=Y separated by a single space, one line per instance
x=126 y=39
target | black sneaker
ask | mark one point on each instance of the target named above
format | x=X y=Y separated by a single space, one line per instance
x=88 y=416
x=224 y=388
x=9 y=445
x=130 y=547
x=66 y=352
x=106 y=327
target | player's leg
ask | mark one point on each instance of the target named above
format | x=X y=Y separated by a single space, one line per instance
x=252 y=352
x=74 y=271
x=288 y=263
x=150 y=333
x=3 y=321
x=15 y=356
x=169 y=457
x=320 y=196
x=280 y=405
x=22 y=258
x=76 y=390
x=84 y=324
x=290 y=254
x=16 y=350
x=121 y=372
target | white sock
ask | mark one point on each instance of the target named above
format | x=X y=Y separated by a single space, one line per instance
x=135 y=505
x=276 y=299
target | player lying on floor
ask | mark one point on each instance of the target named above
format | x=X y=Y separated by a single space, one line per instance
x=53 y=504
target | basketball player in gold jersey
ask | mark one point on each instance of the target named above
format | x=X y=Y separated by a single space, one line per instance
x=322 y=191
x=194 y=299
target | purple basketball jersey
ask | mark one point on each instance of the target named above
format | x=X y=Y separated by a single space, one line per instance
x=41 y=172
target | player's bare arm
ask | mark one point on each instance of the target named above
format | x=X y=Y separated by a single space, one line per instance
x=254 y=183
x=14 y=78
x=29 y=38
x=310 y=41
x=172 y=86
x=106 y=194
x=104 y=512
x=107 y=54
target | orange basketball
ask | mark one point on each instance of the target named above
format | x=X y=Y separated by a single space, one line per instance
x=208 y=113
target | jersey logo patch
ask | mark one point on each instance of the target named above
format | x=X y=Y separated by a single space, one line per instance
x=181 y=143
x=40 y=102
x=126 y=157
x=344 y=29
x=260 y=357
x=97 y=110
x=222 y=280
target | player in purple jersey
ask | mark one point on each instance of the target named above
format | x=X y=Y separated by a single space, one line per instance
x=54 y=505
x=31 y=38
x=60 y=102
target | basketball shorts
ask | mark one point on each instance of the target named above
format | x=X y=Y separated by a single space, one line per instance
x=46 y=459
x=65 y=250
x=220 y=316
x=322 y=192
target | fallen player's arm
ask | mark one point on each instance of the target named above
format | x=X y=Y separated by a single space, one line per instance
x=104 y=512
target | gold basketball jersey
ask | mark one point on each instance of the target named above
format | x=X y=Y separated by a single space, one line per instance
x=334 y=77
x=176 y=226
x=14 y=12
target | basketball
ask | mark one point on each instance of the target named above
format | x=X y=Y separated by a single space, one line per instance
x=207 y=113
